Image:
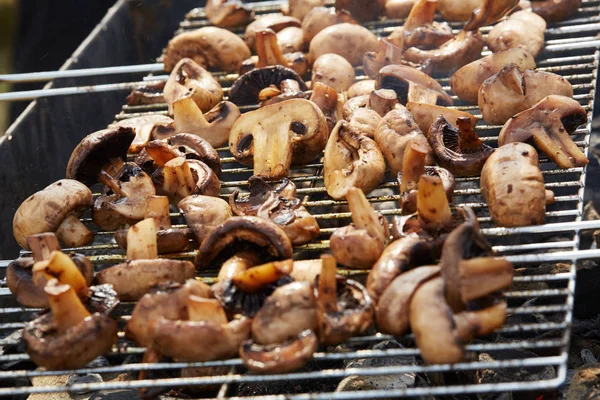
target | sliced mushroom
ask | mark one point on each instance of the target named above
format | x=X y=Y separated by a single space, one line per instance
x=261 y=235
x=278 y=135
x=146 y=93
x=389 y=53
x=327 y=99
x=459 y=150
x=490 y=12
x=55 y=208
x=288 y=89
x=360 y=10
x=466 y=81
x=548 y=125
x=270 y=53
x=69 y=336
x=412 y=170
x=210 y=47
x=179 y=178
x=333 y=70
x=555 y=10
x=420 y=30
x=320 y=18
x=361 y=243
x=410 y=84
x=393 y=308
x=228 y=13
x=144 y=128
x=245 y=90
x=511 y=91
x=395 y=131
x=457 y=10
x=105 y=149
x=124 y=197
x=188 y=77
x=522 y=29
x=203 y=214
x=351 y=160
x=398 y=8
x=275 y=22
x=426 y=114
x=347 y=40
x=400 y=256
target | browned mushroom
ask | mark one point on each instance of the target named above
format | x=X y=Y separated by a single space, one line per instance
x=548 y=125
x=144 y=127
x=228 y=13
x=348 y=40
x=333 y=70
x=398 y=8
x=275 y=22
x=360 y=10
x=522 y=29
x=204 y=213
x=426 y=114
x=457 y=10
x=554 y=10
x=410 y=84
x=420 y=30
x=361 y=88
x=300 y=8
x=320 y=18
x=327 y=99
x=269 y=53
x=389 y=53
x=291 y=40
x=146 y=93
x=490 y=12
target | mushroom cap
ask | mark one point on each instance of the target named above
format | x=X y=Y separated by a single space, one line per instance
x=74 y=348
x=45 y=210
x=19 y=279
x=256 y=231
x=144 y=127
x=348 y=40
x=275 y=22
x=320 y=18
x=245 y=89
x=167 y=240
x=361 y=10
x=204 y=213
x=228 y=13
x=146 y=93
x=97 y=149
x=555 y=10
x=404 y=80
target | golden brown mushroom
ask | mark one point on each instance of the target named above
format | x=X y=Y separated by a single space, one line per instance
x=522 y=29
x=410 y=84
x=347 y=40
x=228 y=13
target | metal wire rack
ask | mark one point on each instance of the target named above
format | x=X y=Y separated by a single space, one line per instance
x=536 y=335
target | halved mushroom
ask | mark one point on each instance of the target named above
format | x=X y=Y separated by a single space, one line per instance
x=333 y=70
x=101 y=150
x=188 y=77
x=389 y=53
x=347 y=40
x=275 y=22
x=361 y=243
x=124 y=197
x=457 y=10
x=554 y=10
x=278 y=135
x=258 y=234
x=459 y=150
x=401 y=255
x=364 y=113
x=327 y=99
x=69 y=336
x=398 y=8
x=351 y=160
x=245 y=90
x=344 y=308
x=513 y=186
x=320 y=18
x=144 y=128
x=548 y=125
x=522 y=29
x=210 y=47
x=228 y=13
x=395 y=131
x=146 y=93
x=55 y=208
x=511 y=91
x=269 y=52
x=466 y=81
x=286 y=211
x=426 y=114
x=393 y=308
x=410 y=84
x=360 y=10
x=204 y=213
x=420 y=30
x=287 y=90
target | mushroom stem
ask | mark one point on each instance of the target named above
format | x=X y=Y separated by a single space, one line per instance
x=67 y=310
x=383 y=101
x=388 y=53
x=157 y=208
x=268 y=93
x=110 y=182
x=42 y=245
x=61 y=267
x=565 y=152
x=484 y=275
x=201 y=309
x=73 y=233
x=467 y=137
x=363 y=214
x=432 y=204
x=273 y=153
x=236 y=264
x=326 y=98
x=479 y=323
x=178 y=178
x=413 y=165
x=141 y=241
x=327 y=295
x=161 y=152
x=421 y=14
x=420 y=94
x=188 y=116
x=268 y=50
x=255 y=278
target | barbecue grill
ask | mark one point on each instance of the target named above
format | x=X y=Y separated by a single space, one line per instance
x=535 y=337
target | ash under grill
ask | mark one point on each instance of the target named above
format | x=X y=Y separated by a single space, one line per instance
x=532 y=345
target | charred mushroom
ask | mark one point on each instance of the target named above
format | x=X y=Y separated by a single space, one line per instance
x=275 y=22
x=246 y=89
x=548 y=125
x=426 y=114
x=144 y=128
x=361 y=243
x=228 y=13
x=146 y=93
x=56 y=208
x=210 y=47
x=351 y=160
x=333 y=70
x=347 y=40
x=511 y=91
x=466 y=81
x=320 y=18
x=459 y=150
x=522 y=29
x=410 y=84
x=278 y=135
x=203 y=214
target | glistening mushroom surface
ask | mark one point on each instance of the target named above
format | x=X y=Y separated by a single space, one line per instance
x=348 y=40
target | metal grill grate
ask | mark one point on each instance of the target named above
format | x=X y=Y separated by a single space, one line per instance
x=540 y=303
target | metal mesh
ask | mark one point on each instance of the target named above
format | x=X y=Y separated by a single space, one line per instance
x=535 y=337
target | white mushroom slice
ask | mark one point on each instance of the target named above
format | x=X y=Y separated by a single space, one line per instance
x=143 y=127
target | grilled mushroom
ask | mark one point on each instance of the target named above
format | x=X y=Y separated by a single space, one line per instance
x=269 y=52
x=299 y=8
x=420 y=30
x=389 y=53
x=522 y=29
x=327 y=99
x=361 y=88
x=320 y=18
x=347 y=40
x=56 y=208
x=459 y=150
x=511 y=91
x=245 y=90
x=360 y=10
x=548 y=124
x=457 y=10
x=203 y=214
x=410 y=84
x=426 y=114
x=554 y=10
x=351 y=160
x=144 y=128
x=146 y=93
x=69 y=336
x=360 y=244
x=275 y=22
x=291 y=40
x=466 y=81
x=278 y=135
x=333 y=70
x=188 y=77
x=398 y=8
x=210 y=47
x=490 y=12
x=228 y=13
